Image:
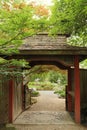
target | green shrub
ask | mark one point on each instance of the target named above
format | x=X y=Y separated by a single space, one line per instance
x=41 y=85
x=60 y=93
x=41 y=77
x=50 y=76
x=56 y=77
x=34 y=93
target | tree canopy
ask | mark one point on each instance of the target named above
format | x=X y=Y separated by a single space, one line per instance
x=70 y=16
x=17 y=21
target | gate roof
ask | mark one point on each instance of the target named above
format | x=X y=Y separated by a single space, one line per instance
x=44 y=44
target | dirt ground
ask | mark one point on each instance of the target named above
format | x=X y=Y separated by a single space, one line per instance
x=48 y=101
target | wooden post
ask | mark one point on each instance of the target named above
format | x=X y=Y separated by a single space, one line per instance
x=11 y=83
x=77 y=89
x=66 y=97
x=23 y=96
x=69 y=89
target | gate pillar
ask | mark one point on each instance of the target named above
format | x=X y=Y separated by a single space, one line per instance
x=69 y=89
x=11 y=85
x=77 y=89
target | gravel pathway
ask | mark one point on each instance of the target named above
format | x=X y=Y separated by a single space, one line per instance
x=48 y=101
x=49 y=109
x=47 y=114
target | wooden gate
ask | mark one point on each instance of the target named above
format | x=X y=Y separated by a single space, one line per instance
x=83 y=88
x=17 y=98
x=4 y=100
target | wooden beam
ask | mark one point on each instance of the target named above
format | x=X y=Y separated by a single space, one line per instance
x=77 y=89
x=11 y=83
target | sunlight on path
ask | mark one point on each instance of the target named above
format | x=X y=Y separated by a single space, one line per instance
x=49 y=109
x=48 y=101
x=47 y=114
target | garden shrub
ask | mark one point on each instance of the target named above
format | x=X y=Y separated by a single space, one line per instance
x=60 y=93
x=34 y=93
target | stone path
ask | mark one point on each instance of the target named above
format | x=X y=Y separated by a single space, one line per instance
x=44 y=117
x=48 y=101
x=47 y=114
x=51 y=127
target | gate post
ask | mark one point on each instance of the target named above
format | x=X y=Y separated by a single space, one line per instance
x=11 y=83
x=77 y=89
x=23 y=95
x=69 y=97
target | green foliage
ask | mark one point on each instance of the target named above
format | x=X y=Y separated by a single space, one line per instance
x=41 y=85
x=12 y=68
x=47 y=86
x=48 y=76
x=18 y=63
x=53 y=76
x=34 y=93
x=60 y=90
x=15 y=25
x=57 y=77
x=38 y=77
x=70 y=17
x=60 y=93
x=83 y=64
x=51 y=80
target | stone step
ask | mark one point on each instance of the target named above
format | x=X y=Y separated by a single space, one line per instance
x=46 y=120
x=50 y=127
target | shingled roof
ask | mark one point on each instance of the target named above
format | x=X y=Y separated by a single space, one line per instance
x=45 y=42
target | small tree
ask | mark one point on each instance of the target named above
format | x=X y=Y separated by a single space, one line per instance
x=18 y=20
